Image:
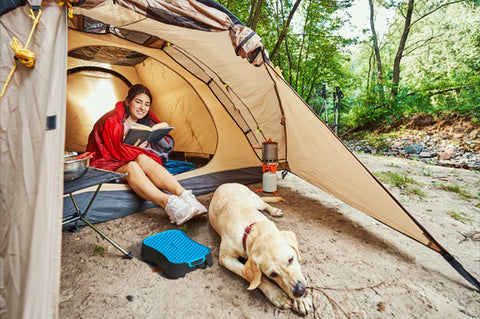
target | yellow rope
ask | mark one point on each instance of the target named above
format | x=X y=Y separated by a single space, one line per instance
x=22 y=54
x=69 y=7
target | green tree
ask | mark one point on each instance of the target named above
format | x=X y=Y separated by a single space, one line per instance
x=438 y=68
x=301 y=39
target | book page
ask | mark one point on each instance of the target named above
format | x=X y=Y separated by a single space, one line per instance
x=138 y=126
x=160 y=125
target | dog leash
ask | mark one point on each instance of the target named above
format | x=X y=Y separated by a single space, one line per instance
x=247 y=231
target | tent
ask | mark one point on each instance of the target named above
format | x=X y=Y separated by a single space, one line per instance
x=210 y=78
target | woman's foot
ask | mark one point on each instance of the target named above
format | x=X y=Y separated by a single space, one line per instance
x=180 y=211
x=188 y=197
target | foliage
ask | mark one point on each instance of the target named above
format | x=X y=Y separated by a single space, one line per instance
x=311 y=53
x=98 y=251
x=456 y=189
x=440 y=68
x=457 y=216
x=377 y=140
x=400 y=180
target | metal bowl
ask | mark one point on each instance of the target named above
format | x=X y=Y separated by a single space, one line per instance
x=74 y=168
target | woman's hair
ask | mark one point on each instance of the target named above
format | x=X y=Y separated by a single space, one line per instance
x=135 y=90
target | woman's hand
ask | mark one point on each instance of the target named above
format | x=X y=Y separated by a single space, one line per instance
x=141 y=145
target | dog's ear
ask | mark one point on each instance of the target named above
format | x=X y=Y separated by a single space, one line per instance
x=291 y=239
x=252 y=272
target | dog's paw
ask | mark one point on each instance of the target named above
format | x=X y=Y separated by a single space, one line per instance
x=279 y=298
x=275 y=212
x=303 y=305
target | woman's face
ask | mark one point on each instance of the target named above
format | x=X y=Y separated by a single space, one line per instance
x=139 y=106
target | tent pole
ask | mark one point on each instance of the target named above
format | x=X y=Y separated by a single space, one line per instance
x=324 y=95
x=459 y=268
x=335 y=112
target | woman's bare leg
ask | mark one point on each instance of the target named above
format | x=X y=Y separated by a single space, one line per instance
x=159 y=175
x=164 y=180
x=147 y=178
x=142 y=185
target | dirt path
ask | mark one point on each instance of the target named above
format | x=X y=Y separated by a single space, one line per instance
x=357 y=267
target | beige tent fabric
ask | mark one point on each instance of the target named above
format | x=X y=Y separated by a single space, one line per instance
x=193 y=14
x=179 y=104
x=206 y=127
x=193 y=10
x=31 y=157
x=174 y=100
x=89 y=95
x=253 y=94
x=329 y=165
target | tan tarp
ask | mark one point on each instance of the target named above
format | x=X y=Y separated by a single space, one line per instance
x=193 y=14
x=329 y=165
x=31 y=176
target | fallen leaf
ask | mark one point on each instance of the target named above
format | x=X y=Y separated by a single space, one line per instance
x=381 y=306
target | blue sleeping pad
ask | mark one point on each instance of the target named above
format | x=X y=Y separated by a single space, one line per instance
x=177 y=167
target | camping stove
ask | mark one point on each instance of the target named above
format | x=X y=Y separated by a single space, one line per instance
x=269 y=167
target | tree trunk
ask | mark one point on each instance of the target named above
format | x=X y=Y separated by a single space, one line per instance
x=375 y=46
x=256 y=15
x=283 y=34
x=401 y=47
x=302 y=46
x=290 y=63
x=370 y=76
x=250 y=15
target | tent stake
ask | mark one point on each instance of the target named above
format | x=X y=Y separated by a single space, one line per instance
x=459 y=268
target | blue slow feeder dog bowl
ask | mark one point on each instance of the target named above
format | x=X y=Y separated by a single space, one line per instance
x=175 y=253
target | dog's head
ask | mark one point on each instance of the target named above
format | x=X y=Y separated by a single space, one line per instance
x=277 y=257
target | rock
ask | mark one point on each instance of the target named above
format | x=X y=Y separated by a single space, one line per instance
x=390 y=153
x=450 y=148
x=413 y=149
x=445 y=156
x=436 y=149
x=425 y=154
x=367 y=149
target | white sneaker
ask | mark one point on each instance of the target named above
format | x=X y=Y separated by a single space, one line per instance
x=180 y=211
x=188 y=197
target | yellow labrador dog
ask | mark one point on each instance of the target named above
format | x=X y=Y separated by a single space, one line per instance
x=245 y=232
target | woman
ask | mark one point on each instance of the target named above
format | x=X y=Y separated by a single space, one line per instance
x=143 y=163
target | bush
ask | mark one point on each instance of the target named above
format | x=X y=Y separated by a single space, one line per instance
x=372 y=110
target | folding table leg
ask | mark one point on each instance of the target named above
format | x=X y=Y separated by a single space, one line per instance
x=127 y=255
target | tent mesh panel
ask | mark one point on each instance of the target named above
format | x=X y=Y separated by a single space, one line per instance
x=220 y=90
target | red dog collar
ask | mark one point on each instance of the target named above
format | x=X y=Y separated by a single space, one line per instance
x=247 y=231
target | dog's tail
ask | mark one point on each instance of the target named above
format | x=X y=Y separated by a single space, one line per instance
x=272 y=199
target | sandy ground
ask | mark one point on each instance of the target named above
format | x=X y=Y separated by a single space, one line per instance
x=357 y=267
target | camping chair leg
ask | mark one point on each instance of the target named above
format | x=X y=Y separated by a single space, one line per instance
x=127 y=255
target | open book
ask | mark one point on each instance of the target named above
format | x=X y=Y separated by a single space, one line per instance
x=145 y=133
